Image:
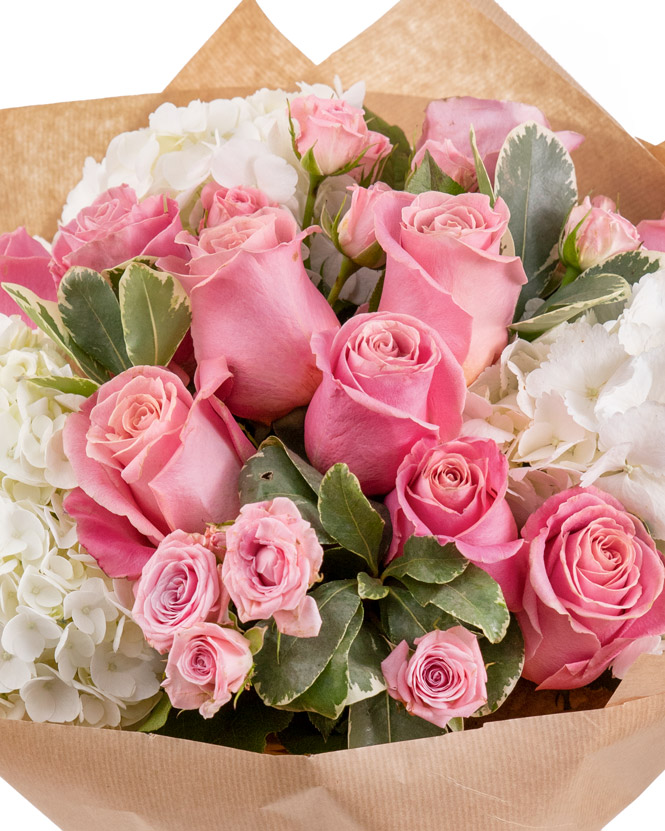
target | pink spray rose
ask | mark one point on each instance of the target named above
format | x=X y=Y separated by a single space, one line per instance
x=220 y=203
x=388 y=381
x=272 y=558
x=594 y=587
x=336 y=132
x=116 y=228
x=25 y=261
x=603 y=232
x=179 y=586
x=455 y=491
x=254 y=310
x=443 y=266
x=451 y=118
x=459 y=167
x=207 y=664
x=150 y=459
x=357 y=237
x=444 y=678
x=652 y=233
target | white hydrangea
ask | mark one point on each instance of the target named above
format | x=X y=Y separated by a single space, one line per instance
x=586 y=400
x=237 y=141
x=68 y=650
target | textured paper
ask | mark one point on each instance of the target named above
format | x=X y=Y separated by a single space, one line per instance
x=570 y=771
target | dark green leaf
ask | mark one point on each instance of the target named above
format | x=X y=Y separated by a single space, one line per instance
x=404 y=619
x=91 y=313
x=157 y=717
x=396 y=167
x=365 y=676
x=290 y=429
x=301 y=737
x=473 y=598
x=504 y=662
x=283 y=675
x=70 y=386
x=381 y=719
x=340 y=564
x=324 y=725
x=484 y=184
x=155 y=314
x=369 y=588
x=535 y=176
x=429 y=176
x=631 y=265
x=426 y=560
x=348 y=517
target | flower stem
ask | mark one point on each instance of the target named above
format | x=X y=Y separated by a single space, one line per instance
x=571 y=274
x=347 y=268
x=314 y=182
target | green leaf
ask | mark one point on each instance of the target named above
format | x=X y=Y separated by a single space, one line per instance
x=302 y=737
x=46 y=315
x=328 y=694
x=426 y=560
x=429 y=176
x=68 y=385
x=535 y=177
x=396 y=167
x=340 y=564
x=280 y=678
x=290 y=430
x=504 y=662
x=157 y=716
x=245 y=726
x=155 y=314
x=90 y=311
x=324 y=725
x=255 y=636
x=381 y=719
x=276 y=471
x=631 y=265
x=349 y=518
x=484 y=183
x=404 y=619
x=587 y=291
x=365 y=675
x=369 y=588
x=473 y=597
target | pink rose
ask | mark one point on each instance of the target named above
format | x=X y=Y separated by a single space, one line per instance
x=594 y=587
x=254 y=310
x=272 y=558
x=388 y=381
x=603 y=232
x=207 y=664
x=336 y=133
x=456 y=492
x=652 y=233
x=459 y=167
x=150 y=459
x=116 y=228
x=179 y=586
x=443 y=266
x=372 y=162
x=24 y=260
x=220 y=203
x=357 y=237
x=444 y=678
x=451 y=118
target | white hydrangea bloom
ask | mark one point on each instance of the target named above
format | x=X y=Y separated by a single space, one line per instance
x=642 y=324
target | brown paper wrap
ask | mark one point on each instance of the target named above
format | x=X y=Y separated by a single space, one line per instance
x=572 y=770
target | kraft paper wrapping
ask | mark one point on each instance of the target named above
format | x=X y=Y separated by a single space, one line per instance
x=573 y=770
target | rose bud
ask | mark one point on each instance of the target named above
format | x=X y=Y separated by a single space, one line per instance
x=357 y=238
x=25 y=261
x=459 y=167
x=594 y=587
x=207 y=664
x=178 y=587
x=445 y=677
x=602 y=232
x=272 y=558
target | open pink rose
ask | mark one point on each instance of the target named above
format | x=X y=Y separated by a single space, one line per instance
x=254 y=310
x=603 y=232
x=357 y=237
x=652 y=233
x=220 y=203
x=272 y=558
x=444 y=678
x=594 y=587
x=25 y=261
x=179 y=586
x=207 y=664
x=455 y=491
x=451 y=118
x=336 y=133
x=388 y=381
x=443 y=266
x=116 y=228
x=150 y=459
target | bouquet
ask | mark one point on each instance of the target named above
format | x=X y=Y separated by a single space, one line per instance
x=318 y=439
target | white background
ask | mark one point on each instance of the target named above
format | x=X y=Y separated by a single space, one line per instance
x=77 y=49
